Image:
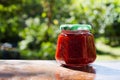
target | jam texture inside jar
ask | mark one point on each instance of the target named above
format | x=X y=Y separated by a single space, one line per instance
x=75 y=45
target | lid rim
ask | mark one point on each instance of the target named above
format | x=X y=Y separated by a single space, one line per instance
x=75 y=27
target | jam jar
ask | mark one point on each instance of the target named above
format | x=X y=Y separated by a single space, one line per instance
x=75 y=45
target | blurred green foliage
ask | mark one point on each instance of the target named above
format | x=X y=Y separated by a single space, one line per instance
x=34 y=24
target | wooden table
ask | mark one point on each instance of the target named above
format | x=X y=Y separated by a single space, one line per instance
x=50 y=70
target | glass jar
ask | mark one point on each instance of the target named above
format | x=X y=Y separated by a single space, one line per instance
x=75 y=45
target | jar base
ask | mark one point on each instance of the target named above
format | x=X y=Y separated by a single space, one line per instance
x=74 y=65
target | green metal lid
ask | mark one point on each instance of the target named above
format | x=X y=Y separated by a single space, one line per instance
x=75 y=27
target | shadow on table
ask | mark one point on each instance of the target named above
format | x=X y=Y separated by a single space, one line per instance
x=90 y=72
x=87 y=68
x=95 y=69
x=75 y=73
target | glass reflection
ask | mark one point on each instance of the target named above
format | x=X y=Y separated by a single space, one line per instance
x=75 y=73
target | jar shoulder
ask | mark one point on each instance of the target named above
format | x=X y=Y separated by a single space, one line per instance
x=76 y=34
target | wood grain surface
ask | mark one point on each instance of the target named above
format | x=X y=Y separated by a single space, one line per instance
x=50 y=70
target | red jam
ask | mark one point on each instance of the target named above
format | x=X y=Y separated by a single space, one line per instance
x=75 y=48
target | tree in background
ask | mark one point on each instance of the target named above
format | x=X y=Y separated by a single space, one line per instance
x=34 y=24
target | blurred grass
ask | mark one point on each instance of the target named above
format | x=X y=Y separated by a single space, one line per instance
x=106 y=52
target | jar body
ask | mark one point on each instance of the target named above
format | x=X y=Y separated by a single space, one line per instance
x=75 y=48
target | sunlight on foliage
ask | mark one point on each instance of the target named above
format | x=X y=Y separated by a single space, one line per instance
x=33 y=25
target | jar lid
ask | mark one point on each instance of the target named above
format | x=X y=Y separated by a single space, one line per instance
x=75 y=27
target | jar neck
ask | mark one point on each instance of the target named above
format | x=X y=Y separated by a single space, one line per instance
x=75 y=32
